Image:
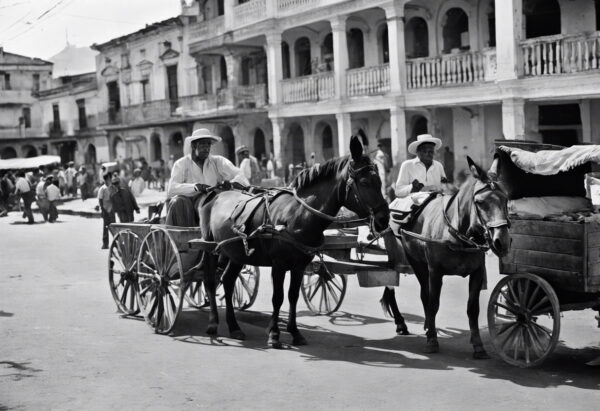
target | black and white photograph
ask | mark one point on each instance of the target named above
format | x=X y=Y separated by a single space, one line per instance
x=299 y=204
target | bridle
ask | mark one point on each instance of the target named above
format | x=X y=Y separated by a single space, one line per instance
x=351 y=186
x=489 y=185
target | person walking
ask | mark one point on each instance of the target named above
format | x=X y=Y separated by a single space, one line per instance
x=70 y=175
x=82 y=183
x=53 y=195
x=248 y=165
x=23 y=189
x=137 y=184
x=123 y=201
x=108 y=214
x=41 y=199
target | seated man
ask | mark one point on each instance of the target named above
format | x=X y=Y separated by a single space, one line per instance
x=419 y=176
x=193 y=173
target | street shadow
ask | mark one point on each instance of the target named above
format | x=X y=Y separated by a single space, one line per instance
x=565 y=367
x=26 y=223
x=5 y=314
x=21 y=370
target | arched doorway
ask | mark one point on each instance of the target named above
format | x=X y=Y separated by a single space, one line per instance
x=327 y=52
x=416 y=38
x=455 y=30
x=260 y=148
x=420 y=126
x=119 y=151
x=327 y=143
x=384 y=44
x=296 y=144
x=542 y=18
x=303 y=59
x=226 y=147
x=90 y=155
x=29 y=151
x=285 y=56
x=138 y=148
x=156 y=147
x=223 y=72
x=67 y=151
x=176 y=145
x=356 y=48
x=8 y=152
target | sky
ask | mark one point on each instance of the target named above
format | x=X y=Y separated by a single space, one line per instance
x=40 y=28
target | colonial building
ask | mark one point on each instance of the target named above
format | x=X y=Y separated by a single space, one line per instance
x=21 y=128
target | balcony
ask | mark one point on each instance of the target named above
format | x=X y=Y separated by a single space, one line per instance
x=294 y=6
x=451 y=69
x=249 y=13
x=110 y=117
x=367 y=81
x=206 y=29
x=561 y=54
x=56 y=130
x=316 y=87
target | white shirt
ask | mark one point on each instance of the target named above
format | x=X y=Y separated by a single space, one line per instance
x=415 y=169
x=186 y=174
x=246 y=167
x=137 y=186
x=40 y=191
x=22 y=186
x=52 y=192
x=70 y=175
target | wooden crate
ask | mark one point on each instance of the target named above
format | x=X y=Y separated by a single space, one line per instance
x=566 y=254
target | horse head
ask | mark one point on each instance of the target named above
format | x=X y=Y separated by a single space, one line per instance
x=363 y=188
x=491 y=206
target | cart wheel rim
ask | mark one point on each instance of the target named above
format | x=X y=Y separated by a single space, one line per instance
x=122 y=271
x=246 y=288
x=160 y=283
x=195 y=295
x=323 y=294
x=524 y=319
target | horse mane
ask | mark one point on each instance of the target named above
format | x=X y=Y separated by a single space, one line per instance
x=319 y=172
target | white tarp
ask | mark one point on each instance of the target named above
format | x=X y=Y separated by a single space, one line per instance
x=28 y=163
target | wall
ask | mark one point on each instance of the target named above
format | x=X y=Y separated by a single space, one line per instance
x=577 y=16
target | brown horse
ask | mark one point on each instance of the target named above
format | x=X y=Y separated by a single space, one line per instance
x=321 y=191
x=450 y=237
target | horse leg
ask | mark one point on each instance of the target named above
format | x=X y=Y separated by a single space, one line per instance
x=435 y=288
x=390 y=306
x=278 y=276
x=422 y=273
x=210 y=285
x=229 y=276
x=475 y=284
x=293 y=294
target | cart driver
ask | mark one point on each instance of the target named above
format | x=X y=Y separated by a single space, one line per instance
x=193 y=174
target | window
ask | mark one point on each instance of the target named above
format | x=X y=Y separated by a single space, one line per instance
x=56 y=116
x=6 y=81
x=27 y=117
x=82 y=117
x=36 y=82
x=125 y=60
x=145 y=89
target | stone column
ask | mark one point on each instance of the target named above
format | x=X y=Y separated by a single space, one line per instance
x=513 y=118
x=274 y=67
x=398 y=134
x=344 y=130
x=509 y=29
x=394 y=13
x=340 y=54
x=233 y=63
x=278 y=125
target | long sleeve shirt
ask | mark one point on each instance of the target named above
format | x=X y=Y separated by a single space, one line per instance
x=22 y=186
x=186 y=174
x=415 y=169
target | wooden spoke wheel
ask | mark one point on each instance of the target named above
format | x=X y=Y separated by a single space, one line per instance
x=195 y=295
x=160 y=282
x=246 y=287
x=524 y=319
x=122 y=271
x=323 y=291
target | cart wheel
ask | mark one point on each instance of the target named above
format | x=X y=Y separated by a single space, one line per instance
x=160 y=281
x=524 y=319
x=122 y=271
x=246 y=287
x=323 y=291
x=195 y=295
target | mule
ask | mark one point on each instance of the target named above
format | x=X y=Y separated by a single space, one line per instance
x=320 y=192
x=450 y=237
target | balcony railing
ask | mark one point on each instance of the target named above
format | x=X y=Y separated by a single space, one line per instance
x=109 y=117
x=308 y=88
x=285 y=6
x=367 y=81
x=450 y=69
x=249 y=12
x=207 y=29
x=561 y=54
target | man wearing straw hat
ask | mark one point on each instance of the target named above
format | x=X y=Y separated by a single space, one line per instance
x=193 y=174
x=421 y=175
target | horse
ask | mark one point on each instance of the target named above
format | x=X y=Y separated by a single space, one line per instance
x=299 y=215
x=450 y=237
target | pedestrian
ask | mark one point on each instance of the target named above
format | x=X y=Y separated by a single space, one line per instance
x=380 y=161
x=82 y=183
x=270 y=167
x=70 y=175
x=108 y=214
x=23 y=189
x=249 y=165
x=137 y=185
x=62 y=180
x=53 y=195
x=123 y=201
x=41 y=199
x=163 y=171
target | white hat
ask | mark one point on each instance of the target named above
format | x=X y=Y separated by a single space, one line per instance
x=197 y=135
x=421 y=139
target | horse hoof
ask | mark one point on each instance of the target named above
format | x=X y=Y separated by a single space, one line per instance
x=299 y=340
x=402 y=331
x=237 y=335
x=275 y=344
x=432 y=348
x=481 y=355
x=212 y=329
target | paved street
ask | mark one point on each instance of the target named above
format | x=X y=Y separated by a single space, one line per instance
x=64 y=347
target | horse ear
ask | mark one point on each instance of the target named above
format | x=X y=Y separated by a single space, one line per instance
x=476 y=171
x=356 y=148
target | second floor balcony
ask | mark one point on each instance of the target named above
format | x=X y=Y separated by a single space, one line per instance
x=316 y=87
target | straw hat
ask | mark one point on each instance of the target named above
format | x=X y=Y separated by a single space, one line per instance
x=422 y=139
x=201 y=133
x=241 y=149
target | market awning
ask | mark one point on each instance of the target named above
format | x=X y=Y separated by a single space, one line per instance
x=28 y=163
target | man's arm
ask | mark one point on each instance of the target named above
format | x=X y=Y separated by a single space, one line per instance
x=177 y=184
x=246 y=168
x=403 y=184
x=230 y=172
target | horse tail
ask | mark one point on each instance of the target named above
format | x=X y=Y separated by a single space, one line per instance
x=386 y=301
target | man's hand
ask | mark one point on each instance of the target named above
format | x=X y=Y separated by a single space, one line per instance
x=201 y=188
x=416 y=186
x=137 y=211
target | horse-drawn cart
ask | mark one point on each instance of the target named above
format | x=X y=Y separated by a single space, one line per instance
x=553 y=265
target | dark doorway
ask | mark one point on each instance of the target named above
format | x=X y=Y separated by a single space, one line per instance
x=260 y=148
x=172 y=86
x=303 y=59
x=416 y=38
x=560 y=124
x=455 y=30
x=356 y=48
x=542 y=18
